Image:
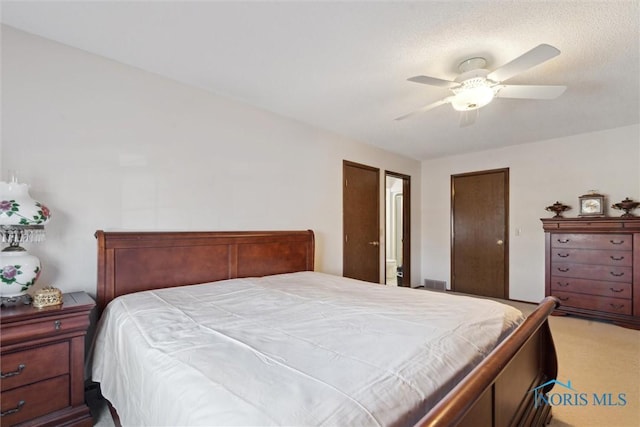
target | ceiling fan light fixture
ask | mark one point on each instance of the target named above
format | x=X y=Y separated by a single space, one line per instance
x=471 y=98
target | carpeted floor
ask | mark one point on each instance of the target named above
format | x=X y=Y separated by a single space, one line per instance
x=597 y=357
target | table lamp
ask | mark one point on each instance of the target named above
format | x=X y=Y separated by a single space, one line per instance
x=22 y=220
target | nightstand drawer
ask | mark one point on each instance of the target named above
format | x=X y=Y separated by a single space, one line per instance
x=44 y=327
x=36 y=364
x=591 y=302
x=31 y=401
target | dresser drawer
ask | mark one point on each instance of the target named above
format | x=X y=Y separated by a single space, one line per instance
x=594 y=302
x=592 y=287
x=592 y=256
x=31 y=401
x=593 y=272
x=36 y=364
x=592 y=241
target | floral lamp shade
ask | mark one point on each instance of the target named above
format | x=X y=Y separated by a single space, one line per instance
x=22 y=220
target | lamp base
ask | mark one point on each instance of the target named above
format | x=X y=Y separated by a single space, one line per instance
x=15 y=301
x=19 y=271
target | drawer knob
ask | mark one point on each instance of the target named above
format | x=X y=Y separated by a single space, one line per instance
x=616 y=274
x=564 y=270
x=563 y=298
x=563 y=285
x=617 y=306
x=563 y=255
x=616 y=290
x=616 y=242
x=14 y=410
x=57 y=324
x=563 y=240
x=615 y=258
x=18 y=371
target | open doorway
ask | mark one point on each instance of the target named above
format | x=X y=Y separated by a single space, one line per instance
x=397 y=226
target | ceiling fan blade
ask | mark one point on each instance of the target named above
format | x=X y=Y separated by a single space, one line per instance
x=529 y=91
x=535 y=56
x=433 y=81
x=426 y=108
x=468 y=117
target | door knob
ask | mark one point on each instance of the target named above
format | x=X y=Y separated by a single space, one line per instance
x=374 y=243
x=500 y=242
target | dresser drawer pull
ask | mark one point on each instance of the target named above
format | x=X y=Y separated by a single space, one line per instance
x=616 y=290
x=616 y=274
x=563 y=240
x=57 y=324
x=14 y=410
x=616 y=242
x=563 y=255
x=563 y=298
x=617 y=306
x=563 y=285
x=564 y=270
x=13 y=373
x=615 y=258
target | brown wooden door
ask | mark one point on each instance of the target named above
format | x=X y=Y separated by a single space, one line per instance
x=479 y=235
x=361 y=222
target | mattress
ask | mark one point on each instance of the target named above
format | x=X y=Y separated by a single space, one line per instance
x=294 y=349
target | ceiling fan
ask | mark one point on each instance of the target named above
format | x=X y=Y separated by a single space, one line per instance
x=476 y=86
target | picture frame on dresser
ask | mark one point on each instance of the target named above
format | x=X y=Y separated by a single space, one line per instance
x=592 y=265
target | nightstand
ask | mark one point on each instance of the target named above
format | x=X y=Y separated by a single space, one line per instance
x=42 y=363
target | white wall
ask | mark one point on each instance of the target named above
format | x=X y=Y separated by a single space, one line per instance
x=107 y=146
x=540 y=173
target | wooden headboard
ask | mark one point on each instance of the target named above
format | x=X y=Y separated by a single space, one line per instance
x=136 y=261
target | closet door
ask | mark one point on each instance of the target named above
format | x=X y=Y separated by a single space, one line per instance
x=361 y=222
x=479 y=233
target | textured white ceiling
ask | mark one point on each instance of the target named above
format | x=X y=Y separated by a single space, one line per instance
x=343 y=66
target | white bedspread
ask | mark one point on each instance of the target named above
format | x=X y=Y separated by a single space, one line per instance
x=296 y=349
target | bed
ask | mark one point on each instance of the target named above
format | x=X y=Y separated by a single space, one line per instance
x=288 y=346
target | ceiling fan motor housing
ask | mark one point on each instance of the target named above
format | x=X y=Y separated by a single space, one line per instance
x=472 y=64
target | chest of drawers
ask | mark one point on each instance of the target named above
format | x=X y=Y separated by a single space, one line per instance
x=593 y=267
x=42 y=363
